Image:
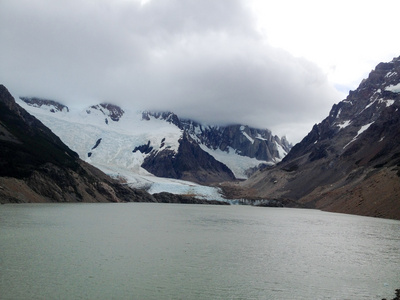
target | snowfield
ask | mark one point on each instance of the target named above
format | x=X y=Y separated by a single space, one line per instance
x=237 y=163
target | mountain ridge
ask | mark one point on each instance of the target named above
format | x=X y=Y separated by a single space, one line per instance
x=237 y=136
x=350 y=162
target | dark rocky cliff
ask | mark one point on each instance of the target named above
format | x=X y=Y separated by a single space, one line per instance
x=189 y=163
x=350 y=162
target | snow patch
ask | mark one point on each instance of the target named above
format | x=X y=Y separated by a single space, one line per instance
x=369 y=105
x=197 y=130
x=362 y=129
x=381 y=100
x=393 y=88
x=344 y=124
x=259 y=137
x=246 y=135
x=237 y=163
x=347 y=101
x=390 y=74
x=387 y=102
x=281 y=151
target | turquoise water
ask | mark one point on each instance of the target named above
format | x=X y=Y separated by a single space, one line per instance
x=173 y=251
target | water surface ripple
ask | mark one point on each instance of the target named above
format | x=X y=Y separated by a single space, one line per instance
x=173 y=251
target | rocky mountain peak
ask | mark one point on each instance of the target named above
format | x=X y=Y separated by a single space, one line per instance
x=189 y=162
x=114 y=112
x=243 y=139
x=51 y=105
x=350 y=162
x=362 y=107
x=167 y=116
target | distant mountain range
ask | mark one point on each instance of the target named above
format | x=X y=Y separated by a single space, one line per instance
x=135 y=144
x=350 y=162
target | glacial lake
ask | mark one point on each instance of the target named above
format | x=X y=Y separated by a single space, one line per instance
x=177 y=251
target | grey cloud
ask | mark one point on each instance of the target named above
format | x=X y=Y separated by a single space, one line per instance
x=200 y=59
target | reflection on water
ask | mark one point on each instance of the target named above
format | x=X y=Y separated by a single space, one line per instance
x=166 y=251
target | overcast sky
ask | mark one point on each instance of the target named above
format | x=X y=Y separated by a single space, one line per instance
x=279 y=65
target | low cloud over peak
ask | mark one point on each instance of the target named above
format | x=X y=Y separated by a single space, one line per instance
x=200 y=59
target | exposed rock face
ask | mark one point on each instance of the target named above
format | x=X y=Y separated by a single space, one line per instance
x=146 y=149
x=251 y=142
x=189 y=163
x=167 y=116
x=38 y=102
x=35 y=166
x=112 y=111
x=350 y=162
x=246 y=141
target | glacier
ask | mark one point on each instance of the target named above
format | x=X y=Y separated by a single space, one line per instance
x=108 y=145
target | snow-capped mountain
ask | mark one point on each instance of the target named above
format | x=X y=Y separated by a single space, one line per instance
x=350 y=162
x=36 y=166
x=239 y=139
x=135 y=145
